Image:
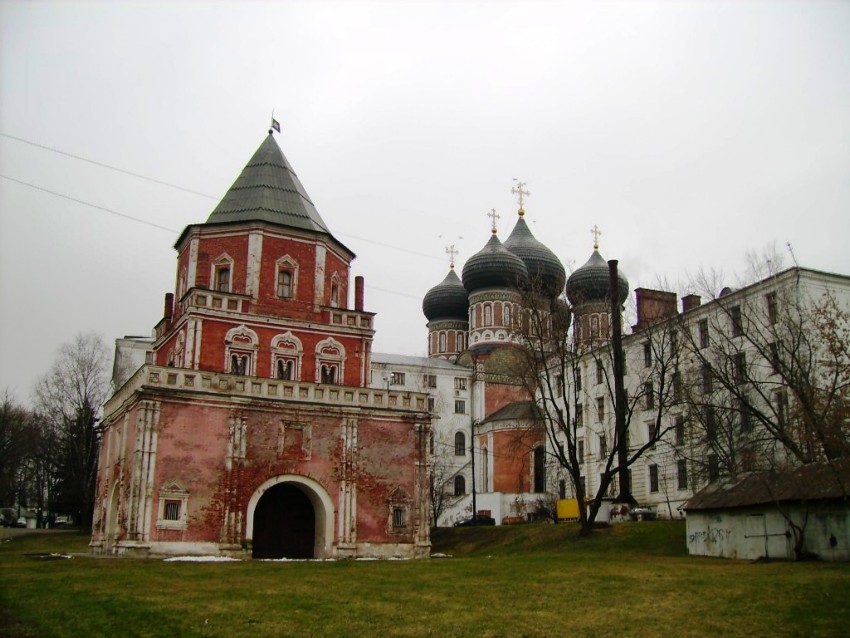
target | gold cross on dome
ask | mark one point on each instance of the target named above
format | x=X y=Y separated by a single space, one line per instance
x=521 y=193
x=595 y=232
x=493 y=217
x=451 y=251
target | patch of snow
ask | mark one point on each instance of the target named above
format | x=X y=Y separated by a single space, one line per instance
x=201 y=559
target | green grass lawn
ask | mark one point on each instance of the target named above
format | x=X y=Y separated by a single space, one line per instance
x=634 y=579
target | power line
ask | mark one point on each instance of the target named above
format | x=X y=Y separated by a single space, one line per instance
x=85 y=203
x=109 y=166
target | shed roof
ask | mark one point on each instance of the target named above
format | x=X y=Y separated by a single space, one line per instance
x=815 y=481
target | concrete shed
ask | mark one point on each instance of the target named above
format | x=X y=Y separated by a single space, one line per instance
x=755 y=516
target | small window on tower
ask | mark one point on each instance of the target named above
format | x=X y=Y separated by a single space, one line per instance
x=284 y=284
x=222 y=279
x=335 y=295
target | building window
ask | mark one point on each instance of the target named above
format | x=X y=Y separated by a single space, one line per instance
x=707 y=375
x=580 y=449
x=739 y=365
x=600 y=372
x=653 y=478
x=679 y=430
x=399 y=518
x=770 y=300
x=774 y=357
x=562 y=489
x=506 y=315
x=239 y=363
x=710 y=418
x=578 y=380
x=285 y=369
x=432 y=403
x=329 y=373
x=172 y=510
x=284 y=284
x=647 y=355
x=682 y=474
x=460 y=406
x=703 y=333
x=539 y=469
x=745 y=415
x=334 y=292
x=460 y=485
x=443 y=342
x=579 y=415
x=429 y=380
x=488 y=314
x=559 y=385
x=603 y=446
x=460 y=444
x=594 y=326
x=737 y=321
x=677 y=385
x=649 y=395
x=713 y=468
x=222 y=279
x=652 y=433
x=460 y=383
x=397 y=378
x=600 y=408
x=460 y=341
x=780 y=400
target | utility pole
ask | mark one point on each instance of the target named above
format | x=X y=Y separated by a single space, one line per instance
x=625 y=495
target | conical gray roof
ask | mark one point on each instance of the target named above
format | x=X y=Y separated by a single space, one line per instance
x=268 y=190
x=544 y=267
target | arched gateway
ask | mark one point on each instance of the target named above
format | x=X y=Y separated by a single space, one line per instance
x=290 y=517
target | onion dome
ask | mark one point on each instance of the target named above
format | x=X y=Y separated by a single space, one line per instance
x=590 y=282
x=494 y=266
x=446 y=300
x=544 y=267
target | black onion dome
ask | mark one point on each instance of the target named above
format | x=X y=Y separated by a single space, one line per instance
x=446 y=300
x=494 y=266
x=590 y=282
x=542 y=264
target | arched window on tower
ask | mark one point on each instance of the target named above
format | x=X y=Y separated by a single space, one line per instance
x=488 y=314
x=443 y=342
x=506 y=314
x=594 y=326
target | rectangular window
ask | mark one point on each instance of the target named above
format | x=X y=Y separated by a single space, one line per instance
x=653 y=478
x=222 y=279
x=703 y=333
x=397 y=378
x=600 y=372
x=580 y=449
x=172 y=510
x=710 y=419
x=582 y=481
x=399 y=517
x=429 y=380
x=707 y=383
x=739 y=364
x=600 y=408
x=579 y=415
x=774 y=357
x=652 y=433
x=647 y=355
x=745 y=415
x=780 y=401
x=603 y=446
x=432 y=403
x=682 y=474
x=460 y=383
x=460 y=406
x=578 y=380
x=677 y=385
x=559 y=385
x=284 y=284
x=737 y=321
x=680 y=430
x=648 y=395
x=770 y=300
x=713 y=467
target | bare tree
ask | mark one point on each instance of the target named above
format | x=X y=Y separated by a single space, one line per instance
x=69 y=399
x=15 y=423
x=553 y=370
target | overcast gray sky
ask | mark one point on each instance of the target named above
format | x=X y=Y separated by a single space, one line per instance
x=688 y=132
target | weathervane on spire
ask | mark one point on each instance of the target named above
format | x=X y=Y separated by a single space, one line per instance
x=493 y=217
x=521 y=193
x=451 y=251
x=595 y=232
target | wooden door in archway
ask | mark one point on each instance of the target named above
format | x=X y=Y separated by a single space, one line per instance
x=284 y=524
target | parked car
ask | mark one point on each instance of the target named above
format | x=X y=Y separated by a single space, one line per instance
x=21 y=522
x=643 y=514
x=477 y=519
